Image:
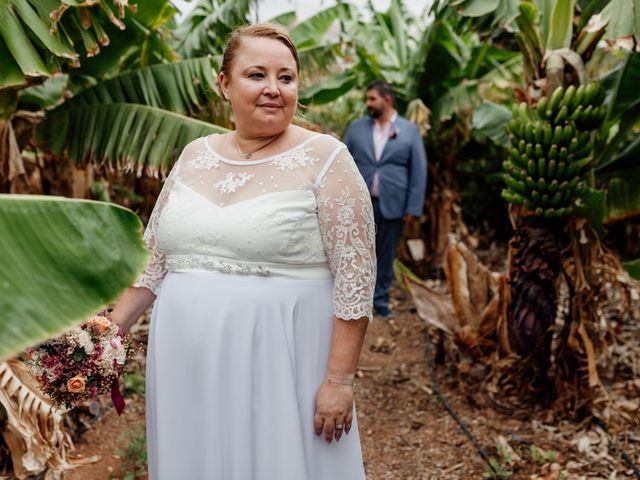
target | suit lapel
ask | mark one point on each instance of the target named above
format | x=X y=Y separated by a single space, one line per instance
x=369 y=140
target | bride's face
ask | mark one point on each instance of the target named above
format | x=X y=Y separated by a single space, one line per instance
x=262 y=86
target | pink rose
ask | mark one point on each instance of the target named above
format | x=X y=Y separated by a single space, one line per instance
x=76 y=384
x=100 y=324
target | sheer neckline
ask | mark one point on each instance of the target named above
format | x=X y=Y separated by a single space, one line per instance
x=261 y=160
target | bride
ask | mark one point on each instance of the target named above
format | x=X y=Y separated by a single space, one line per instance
x=262 y=274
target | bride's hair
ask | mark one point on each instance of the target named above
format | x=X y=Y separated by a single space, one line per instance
x=260 y=30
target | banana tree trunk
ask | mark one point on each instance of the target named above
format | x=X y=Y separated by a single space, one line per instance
x=533 y=270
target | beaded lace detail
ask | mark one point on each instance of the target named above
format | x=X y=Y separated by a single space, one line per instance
x=201 y=262
x=306 y=207
x=232 y=182
x=204 y=160
x=298 y=157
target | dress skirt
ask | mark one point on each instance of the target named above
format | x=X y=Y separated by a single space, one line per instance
x=233 y=367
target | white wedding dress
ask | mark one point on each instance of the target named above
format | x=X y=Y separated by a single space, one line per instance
x=251 y=261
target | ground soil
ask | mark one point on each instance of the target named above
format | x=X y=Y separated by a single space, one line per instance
x=406 y=433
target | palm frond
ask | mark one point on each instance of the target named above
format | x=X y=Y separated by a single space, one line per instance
x=181 y=87
x=318 y=40
x=121 y=135
x=37 y=37
x=206 y=28
x=312 y=31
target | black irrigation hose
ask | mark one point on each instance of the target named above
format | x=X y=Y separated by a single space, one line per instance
x=629 y=461
x=623 y=453
x=445 y=403
x=483 y=453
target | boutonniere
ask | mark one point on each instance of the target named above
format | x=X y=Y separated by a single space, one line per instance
x=394 y=133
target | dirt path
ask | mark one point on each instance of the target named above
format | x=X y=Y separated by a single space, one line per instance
x=406 y=433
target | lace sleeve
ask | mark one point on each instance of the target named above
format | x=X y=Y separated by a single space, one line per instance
x=156 y=269
x=348 y=233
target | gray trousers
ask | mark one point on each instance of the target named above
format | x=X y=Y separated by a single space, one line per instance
x=388 y=234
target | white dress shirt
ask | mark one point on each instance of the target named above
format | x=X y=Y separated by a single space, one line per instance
x=381 y=136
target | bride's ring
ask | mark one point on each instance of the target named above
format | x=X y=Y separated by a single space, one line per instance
x=339 y=427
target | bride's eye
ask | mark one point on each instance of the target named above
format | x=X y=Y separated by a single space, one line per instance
x=256 y=75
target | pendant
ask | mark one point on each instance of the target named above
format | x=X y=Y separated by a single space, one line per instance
x=248 y=156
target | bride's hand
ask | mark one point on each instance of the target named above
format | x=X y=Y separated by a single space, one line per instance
x=334 y=410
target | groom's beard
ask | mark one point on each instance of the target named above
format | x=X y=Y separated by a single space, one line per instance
x=374 y=112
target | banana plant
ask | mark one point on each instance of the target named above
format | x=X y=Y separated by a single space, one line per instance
x=63 y=260
x=136 y=119
x=205 y=30
x=320 y=50
x=24 y=59
x=41 y=37
x=383 y=48
x=567 y=149
x=554 y=38
x=547 y=32
x=68 y=37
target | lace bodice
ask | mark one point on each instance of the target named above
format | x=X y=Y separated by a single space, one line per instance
x=304 y=213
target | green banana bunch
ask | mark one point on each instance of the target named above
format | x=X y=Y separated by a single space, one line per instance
x=582 y=105
x=550 y=149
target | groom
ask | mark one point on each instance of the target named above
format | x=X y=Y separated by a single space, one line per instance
x=389 y=152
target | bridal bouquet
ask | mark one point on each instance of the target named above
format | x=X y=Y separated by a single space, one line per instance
x=81 y=364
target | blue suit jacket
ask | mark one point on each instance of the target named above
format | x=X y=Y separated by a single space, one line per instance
x=402 y=168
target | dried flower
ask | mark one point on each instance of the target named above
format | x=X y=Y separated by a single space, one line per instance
x=80 y=364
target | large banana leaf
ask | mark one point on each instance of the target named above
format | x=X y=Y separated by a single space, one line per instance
x=478 y=8
x=62 y=260
x=329 y=89
x=622 y=82
x=560 y=25
x=317 y=42
x=206 y=28
x=21 y=51
x=19 y=23
x=485 y=15
x=142 y=41
x=629 y=157
x=464 y=97
x=126 y=136
x=623 y=195
x=11 y=75
x=623 y=17
x=312 y=30
x=388 y=46
x=489 y=120
x=417 y=62
x=47 y=95
x=623 y=113
x=37 y=37
x=633 y=267
x=181 y=87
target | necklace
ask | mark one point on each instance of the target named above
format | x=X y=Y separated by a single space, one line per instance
x=247 y=156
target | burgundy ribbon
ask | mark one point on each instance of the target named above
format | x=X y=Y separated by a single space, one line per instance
x=116 y=397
